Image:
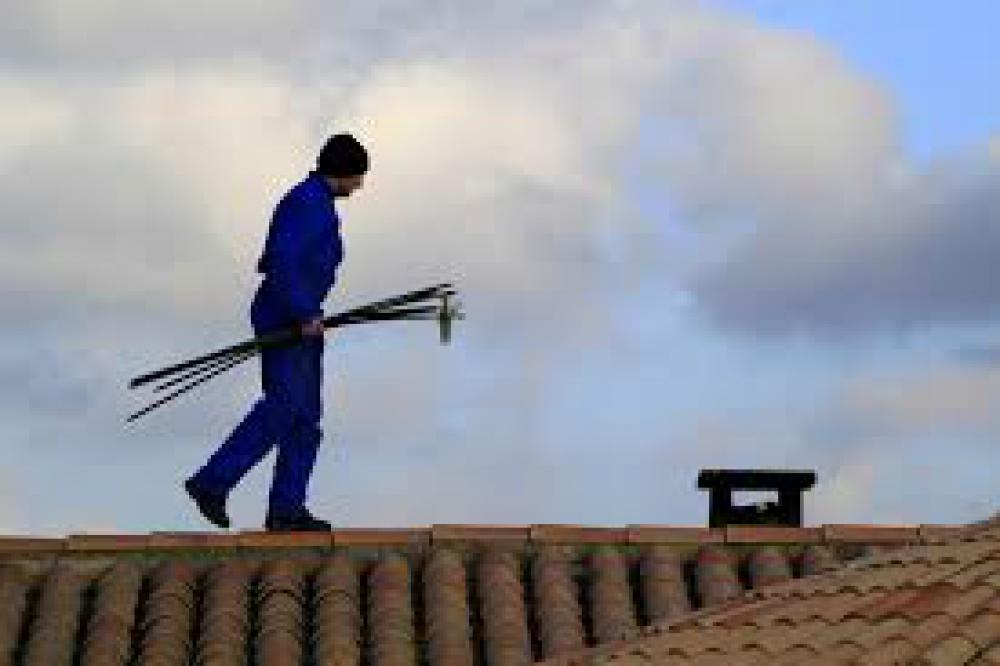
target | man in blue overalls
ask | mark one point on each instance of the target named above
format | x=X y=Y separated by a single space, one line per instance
x=299 y=263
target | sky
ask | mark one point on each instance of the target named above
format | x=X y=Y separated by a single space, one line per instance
x=686 y=235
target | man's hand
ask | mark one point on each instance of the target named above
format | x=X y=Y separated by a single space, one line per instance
x=312 y=327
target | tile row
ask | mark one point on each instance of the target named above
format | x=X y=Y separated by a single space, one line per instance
x=450 y=607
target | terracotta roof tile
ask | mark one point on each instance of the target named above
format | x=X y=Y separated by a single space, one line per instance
x=991 y=657
x=579 y=534
x=247 y=539
x=470 y=594
x=35 y=545
x=817 y=559
x=870 y=534
x=515 y=535
x=964 y=605
x=671 y=534
x=843 y=652
x=927 y=604
x=14 y=586
x=896 y=650
x=772 y=534
x=223 y=634
x=976 y=572
x=663 y=586
x=767 y=566
x=939 y=533
x=338 y=611
x=716 y=578
x=611 y=596
x=165 y=628
x=390 y=611
x=449 y=632
x=108 y=632
x=984 y=628
x=558 y=615
x=174 y=541
x=416 y=539
x=868 y=636
x=52 y=634
x=505 y=629
x=952 y=650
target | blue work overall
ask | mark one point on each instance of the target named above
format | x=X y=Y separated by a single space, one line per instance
x=299 y=262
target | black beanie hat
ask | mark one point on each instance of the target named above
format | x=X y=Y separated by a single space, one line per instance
x=342 y=155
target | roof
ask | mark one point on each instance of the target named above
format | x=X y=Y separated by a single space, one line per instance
x=933 y=603
x=447 y=594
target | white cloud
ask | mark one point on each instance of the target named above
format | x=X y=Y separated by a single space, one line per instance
x=68 y=33
x=846 y=496
x=776 y=127
x=778 y=137
x=231 y=136
x=940 y=399
x=33 y=115
x=470 y=180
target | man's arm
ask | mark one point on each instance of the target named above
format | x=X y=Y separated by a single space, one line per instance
x=295 y=229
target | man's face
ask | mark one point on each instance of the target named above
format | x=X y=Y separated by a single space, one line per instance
x=343 y=186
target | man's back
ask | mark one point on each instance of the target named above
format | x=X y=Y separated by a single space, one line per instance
x=302 y=251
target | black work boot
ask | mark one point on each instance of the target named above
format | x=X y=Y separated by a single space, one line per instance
x=211 y=505
x=299 y=521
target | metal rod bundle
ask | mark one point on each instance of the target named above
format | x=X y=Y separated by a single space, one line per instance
x=198 y=370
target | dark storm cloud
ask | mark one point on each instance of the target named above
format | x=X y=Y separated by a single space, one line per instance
x=922 y=256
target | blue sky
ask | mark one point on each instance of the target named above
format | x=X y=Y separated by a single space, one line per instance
x=735 y=235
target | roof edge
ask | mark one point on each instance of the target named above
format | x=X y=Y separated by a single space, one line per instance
x=514 y=535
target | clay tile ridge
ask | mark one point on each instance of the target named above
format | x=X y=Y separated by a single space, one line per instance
x=523 y=535
x=516 y=534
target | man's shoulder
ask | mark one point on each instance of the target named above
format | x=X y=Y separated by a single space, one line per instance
x=309 y=195
x=309 y=188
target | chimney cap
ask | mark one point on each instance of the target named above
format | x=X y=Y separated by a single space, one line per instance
x=756 y=479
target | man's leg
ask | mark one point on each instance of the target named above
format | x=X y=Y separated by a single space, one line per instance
x=270 y=420
x=297 y=451
x=248 y=443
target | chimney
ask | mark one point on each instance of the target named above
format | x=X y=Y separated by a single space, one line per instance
x=790 y=484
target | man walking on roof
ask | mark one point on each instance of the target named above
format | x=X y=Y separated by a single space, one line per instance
x=299 y=263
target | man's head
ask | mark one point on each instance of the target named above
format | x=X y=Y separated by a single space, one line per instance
x=343 y=161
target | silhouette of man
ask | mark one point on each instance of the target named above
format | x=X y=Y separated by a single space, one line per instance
x=301 y=254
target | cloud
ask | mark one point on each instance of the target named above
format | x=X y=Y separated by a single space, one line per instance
x=792 y=159
x=35 y=115
x=978 y=355
x=847 y=495
x=942 y=399
x=771 y=126
x=918 y=260
x=69 y=33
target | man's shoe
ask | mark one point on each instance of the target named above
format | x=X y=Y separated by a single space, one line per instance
x=302 y=521
x=211 y=505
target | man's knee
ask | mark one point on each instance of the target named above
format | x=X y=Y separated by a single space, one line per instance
x=280 y=414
